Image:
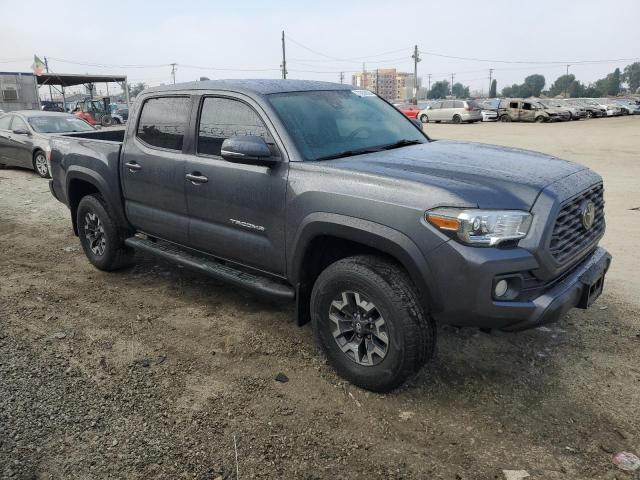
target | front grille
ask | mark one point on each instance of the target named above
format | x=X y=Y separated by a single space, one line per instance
x=569 y=235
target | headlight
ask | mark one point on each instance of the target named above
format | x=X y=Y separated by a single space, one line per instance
x=481 y=227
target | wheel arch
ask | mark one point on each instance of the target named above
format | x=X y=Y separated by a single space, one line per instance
x=324 y=238
x=81 y=182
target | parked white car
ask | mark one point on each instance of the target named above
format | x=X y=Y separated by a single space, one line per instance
x=456 y=111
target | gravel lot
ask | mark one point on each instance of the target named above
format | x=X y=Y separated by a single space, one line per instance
x=156 y=372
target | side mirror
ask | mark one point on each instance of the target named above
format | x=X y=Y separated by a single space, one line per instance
x=416 y=122
x=248 y=149
x=21 y=131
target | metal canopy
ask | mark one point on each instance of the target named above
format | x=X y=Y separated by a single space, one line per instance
x=71 y=79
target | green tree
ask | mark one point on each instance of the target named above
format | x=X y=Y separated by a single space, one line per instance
x=534 y=84
x=493 y=91
x=439 y=89
x=592 y=91
x=561 y=85
x=512 y=91
x=135 y=90
x=613 y=82
x=631 y=76
x=460 y=91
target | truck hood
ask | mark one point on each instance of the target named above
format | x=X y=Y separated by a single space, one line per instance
x=487 y=176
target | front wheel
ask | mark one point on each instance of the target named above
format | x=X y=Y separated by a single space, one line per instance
x=540 y=119
x=40 y=164
x=101 y=238
x=424 y=118
x=505 y=118
x=368 y=320
x=457 y=119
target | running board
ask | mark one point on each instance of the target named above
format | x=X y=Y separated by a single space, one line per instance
x=200 y=263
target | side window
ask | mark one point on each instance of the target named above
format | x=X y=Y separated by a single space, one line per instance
x=513 y=105
x=458 y=104
x=163 y=121
x=18 y=124
x=436 y=105
x=5 y=122
x=526 y=106
x=222 y=118
x=448 y=104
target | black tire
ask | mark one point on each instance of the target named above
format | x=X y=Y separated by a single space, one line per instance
x=505 y=118
x=409 y=330
x=424 y=118
x=457 y=119
x=100 y=236
x=40 y=164
x=540 y=119
x=589 y=114
x=106 y=121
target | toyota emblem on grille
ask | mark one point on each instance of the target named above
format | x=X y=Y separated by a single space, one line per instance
x=588 y=214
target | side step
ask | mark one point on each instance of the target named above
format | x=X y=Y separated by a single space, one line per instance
x=200 y=263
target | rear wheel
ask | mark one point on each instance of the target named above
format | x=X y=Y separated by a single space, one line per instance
x=424 y=118
x=457 y=119
x=106 y=121
x=368 y=320
x=101 y=238
x=589 y=114
x=540 y=119
x=505 y=118
x=40 y=164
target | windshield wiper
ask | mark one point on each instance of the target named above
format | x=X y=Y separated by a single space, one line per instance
x=349 y=153
x=400 y=143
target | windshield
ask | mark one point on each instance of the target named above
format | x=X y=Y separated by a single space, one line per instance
x=59 y=124
x=337 y=123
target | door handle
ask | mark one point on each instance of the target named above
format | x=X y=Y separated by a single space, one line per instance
x=133 y=166
x=196 y=179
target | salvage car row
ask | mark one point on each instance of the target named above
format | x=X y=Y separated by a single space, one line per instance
x=539 y=110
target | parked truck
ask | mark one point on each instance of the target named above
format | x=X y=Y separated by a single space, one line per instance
x=328 y=196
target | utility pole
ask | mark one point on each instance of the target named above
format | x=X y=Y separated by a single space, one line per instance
x=490 y=80
x=452 y=75
x=416 y=59
x=566 y=83
x=173 y=72
x=46 y=67
x=341 y=77
x=364 y=76
x=429 y=89
x=284 y=59
x=377 y=75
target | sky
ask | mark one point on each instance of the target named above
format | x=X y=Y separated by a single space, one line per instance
x=242 y=38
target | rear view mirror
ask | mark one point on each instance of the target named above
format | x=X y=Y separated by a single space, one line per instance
x=248 y=149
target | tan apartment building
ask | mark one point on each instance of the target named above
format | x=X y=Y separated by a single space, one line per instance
x=386 y=82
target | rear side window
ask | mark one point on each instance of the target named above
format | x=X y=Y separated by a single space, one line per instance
x=18 y=124
x=163 y=122
x=458 y=104
x=5 y=121
x=513 y=105
x=222 y=118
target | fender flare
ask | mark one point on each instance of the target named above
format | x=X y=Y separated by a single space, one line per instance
x=78 y=172
x=374 y=235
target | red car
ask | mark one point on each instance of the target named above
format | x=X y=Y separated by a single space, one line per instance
x=410 y=111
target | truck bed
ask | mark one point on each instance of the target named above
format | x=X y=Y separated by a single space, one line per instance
x=110 y=135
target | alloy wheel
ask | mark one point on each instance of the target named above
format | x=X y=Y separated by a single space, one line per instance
x=359 y=328
x=41 y=165
x=94 y=233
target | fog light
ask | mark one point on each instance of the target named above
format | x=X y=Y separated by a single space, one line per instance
x=501 y=288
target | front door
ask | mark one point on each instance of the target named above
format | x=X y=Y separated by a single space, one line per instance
x=5 y=131
x=153 y=166
x=236 y=211
x=527 y=113
x=21 y=143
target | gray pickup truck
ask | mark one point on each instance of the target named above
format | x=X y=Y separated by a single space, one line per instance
x=327 y=195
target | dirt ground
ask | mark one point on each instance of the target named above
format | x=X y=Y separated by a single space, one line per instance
x=156 y=372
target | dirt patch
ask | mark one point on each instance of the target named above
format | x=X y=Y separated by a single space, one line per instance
x=154 y=371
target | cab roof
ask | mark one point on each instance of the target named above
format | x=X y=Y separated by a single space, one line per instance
x=256 y=87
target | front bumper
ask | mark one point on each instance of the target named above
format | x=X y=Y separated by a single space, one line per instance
x=468 y=274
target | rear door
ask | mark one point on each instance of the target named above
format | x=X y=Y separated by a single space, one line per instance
x=236 y=211
x=152 y=168
x=447 y=111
